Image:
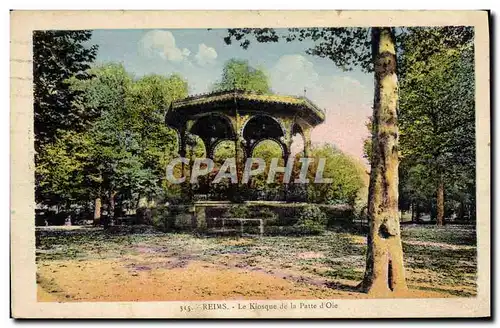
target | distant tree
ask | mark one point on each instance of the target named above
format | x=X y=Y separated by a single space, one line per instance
x=238 y=74
x=225 y=149
x=148 y=98
x=222 y=190
x=437 y=115
x=111 y=138
x=131 y=145
x=267 y=150
x=416 y=188
x=345 y=172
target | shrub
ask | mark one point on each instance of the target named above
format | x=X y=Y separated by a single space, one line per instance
x=312 y=221
x=338 y=215
x=238 y=211
x=269 y=216
x=262 y=212
x=162 y=219
x=143 y=216
x=312 y=214
x=283 y=214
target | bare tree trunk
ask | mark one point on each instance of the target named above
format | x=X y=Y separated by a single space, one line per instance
x=384 y=260
x=111 y=211
x=418 y=212
x=137 y=203
x=461 y=213
x=440 y=203
x=412 y=211
x=97 y=211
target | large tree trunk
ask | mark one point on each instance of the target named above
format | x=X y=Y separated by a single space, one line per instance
x=384 y=260
x=97 y=211
x=440 y=203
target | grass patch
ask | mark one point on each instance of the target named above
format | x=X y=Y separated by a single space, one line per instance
x=448 y=234
x=344 y=273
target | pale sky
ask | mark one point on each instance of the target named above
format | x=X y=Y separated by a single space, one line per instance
x=199 y=55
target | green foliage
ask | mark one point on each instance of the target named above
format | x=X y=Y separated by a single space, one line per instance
x=367 y=142
x=162 y=219
x=437 y=114
x=196 y=147
x=436 y=73
x=100 y=133
x=224 y=150
x=347 y=47
x=340 y=216
x=57 y=57
x=238 y=74
x=239 y=211
x=149 y=97
x=312 y=220
x=165 y=218
x=61 y=169
x=345 y=172
x=296 y=220
x=267 y=150
x=263 y=213
x=133 y=144
x=118 y=166
x=124 y=151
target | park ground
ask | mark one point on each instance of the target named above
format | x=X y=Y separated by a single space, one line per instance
x=89 y=264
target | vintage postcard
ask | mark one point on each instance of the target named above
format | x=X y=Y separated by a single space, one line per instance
x=250 y=164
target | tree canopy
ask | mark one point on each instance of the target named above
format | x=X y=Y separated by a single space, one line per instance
x=238 y=74
x=346 y=173
x=57 y=57
x=123 y=153
x=437 y=116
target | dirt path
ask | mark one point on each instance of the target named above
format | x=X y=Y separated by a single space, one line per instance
x=115 y=280
x=92 y=265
